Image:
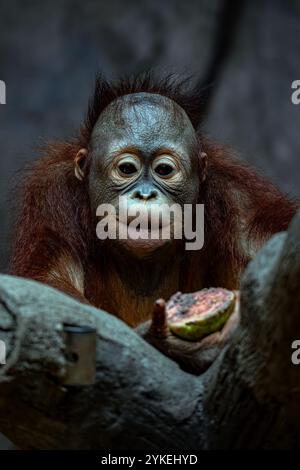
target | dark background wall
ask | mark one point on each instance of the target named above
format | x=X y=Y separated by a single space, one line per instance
x=246 y=51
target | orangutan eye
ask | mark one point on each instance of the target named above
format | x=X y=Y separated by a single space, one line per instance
x=128 y=166
x=165 y=167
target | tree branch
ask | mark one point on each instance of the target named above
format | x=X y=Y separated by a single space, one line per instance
x=140 y=398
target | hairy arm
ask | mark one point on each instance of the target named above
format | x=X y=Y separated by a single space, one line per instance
x=51 y=238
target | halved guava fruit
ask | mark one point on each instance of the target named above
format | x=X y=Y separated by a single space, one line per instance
x=193 y=316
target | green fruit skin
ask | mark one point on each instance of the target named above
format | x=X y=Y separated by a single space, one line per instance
x=194 y=331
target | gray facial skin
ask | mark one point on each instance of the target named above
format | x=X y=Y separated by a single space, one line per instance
x=145 y=125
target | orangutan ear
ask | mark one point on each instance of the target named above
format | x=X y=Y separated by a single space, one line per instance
x=203 y=159
x=79 y=163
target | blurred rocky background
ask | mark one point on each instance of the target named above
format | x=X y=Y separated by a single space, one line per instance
x=245 y=53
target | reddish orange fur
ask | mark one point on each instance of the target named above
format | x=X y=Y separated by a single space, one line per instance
x=55 y=231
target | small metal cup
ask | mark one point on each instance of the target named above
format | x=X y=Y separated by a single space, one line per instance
x=80 y=352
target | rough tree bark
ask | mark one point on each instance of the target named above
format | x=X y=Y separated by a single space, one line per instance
x=249 y=397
